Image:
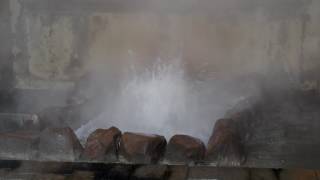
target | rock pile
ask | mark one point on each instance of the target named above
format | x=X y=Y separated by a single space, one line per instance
x=110 y=145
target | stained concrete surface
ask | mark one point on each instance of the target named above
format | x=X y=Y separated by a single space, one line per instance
x=47 y=46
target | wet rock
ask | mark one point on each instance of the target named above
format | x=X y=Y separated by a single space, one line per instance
x=224 y=146
x=142 y=148
x=18 y=145
x=183 y=148
x=59 y=144
x=299 y=174
x=155 y=172
x=262 y=174
x=102 y=145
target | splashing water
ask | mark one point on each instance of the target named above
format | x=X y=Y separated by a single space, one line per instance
x=163 y=100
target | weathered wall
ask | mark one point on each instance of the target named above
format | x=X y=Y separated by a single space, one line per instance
x=5 y=50
x=56 y=42
x=60 y=44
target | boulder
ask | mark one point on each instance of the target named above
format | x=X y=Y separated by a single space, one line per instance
x=142 y=148
x=102 y=145
x=59 y=144
x=155 y=172
x=224 y=146
x=18 y=145
x=183 y=148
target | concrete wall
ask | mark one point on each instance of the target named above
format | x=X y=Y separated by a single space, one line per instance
x=56 y=42
x=5 y=50
x=236 y=37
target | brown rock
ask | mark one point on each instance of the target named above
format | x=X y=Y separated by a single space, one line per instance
x=299 y=174
x=59 y=144
x=102 y=144
x=142 y=148
x=155 y=172
x=224 y=146
x=183 y=148
x=18 y=145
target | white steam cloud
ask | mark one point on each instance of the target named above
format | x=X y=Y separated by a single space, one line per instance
x=164 y=100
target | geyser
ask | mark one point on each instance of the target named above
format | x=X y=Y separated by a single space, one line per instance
x=164 y=99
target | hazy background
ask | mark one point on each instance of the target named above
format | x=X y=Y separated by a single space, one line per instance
x=156 y=66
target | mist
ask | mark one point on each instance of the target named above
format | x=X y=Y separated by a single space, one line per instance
x=160 y=67
x=164 y=99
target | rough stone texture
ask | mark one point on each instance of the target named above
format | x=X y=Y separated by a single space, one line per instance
x=219 y=173
x=18 y=145
x=224 y=146
x=142 y=148
x=102 y=144
x=155 y=172
x=59 y=144
x=262 y=174
x=281 y=24
x=284 y=132
x=299 y=174
x=184 y=148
